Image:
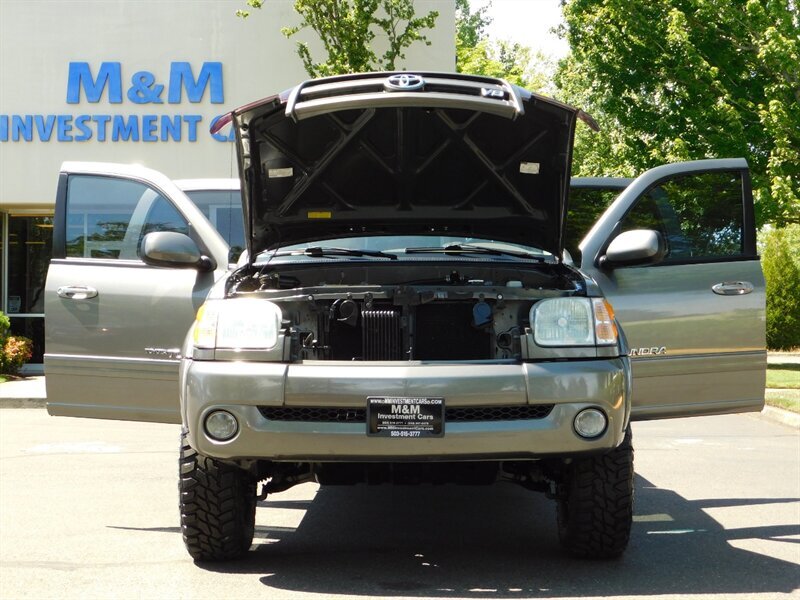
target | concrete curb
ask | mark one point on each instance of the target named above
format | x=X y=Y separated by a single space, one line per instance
x=25 y=392
x=783 y=358
x=779 y=415
x=23 y=402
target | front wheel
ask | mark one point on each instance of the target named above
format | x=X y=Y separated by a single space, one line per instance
x=596 y=510
x=218 y=506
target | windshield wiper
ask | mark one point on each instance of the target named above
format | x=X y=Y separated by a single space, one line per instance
x=472 y=249
x=317 y=251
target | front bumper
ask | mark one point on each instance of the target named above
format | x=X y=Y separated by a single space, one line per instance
x=242 y=387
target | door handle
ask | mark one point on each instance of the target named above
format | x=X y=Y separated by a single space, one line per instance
x=732 y=288
x=76 y=292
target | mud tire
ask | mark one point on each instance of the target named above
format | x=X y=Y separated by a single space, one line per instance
x=595 y=511
x=217 y=504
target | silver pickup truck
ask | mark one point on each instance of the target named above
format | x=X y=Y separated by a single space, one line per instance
x=405 y=311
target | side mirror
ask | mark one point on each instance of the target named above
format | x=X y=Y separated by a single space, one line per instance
x=173 y=249
x=635 y=247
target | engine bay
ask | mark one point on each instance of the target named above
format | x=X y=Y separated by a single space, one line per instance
x=376 y=312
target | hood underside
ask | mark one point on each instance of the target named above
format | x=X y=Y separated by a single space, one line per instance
x=402 y=154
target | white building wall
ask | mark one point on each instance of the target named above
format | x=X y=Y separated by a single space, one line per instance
x=39 y=40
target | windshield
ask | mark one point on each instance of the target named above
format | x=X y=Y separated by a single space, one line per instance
x=399 y=244
x=585 y=207
x=223 y=208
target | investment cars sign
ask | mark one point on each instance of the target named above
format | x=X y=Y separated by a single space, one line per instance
x=110 y=86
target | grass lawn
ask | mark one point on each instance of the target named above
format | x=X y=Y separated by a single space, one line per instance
x=785 y=399
x=786 y=376
x=2 y=379
x=783 y=383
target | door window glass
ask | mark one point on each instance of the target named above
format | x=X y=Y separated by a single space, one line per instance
x=107 y=217
x=699 y=215
x=162 y=216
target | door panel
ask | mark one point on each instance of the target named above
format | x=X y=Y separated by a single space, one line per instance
x=112 y=388
x=115 y=325
x=693 y=350
x=120 y=347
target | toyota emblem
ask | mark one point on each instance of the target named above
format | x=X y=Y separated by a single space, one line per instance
x=404 y=82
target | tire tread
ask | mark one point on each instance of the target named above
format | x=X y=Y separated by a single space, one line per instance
x=595 y=516
x=217 y=505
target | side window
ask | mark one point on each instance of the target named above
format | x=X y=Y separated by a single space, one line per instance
x=107 y=217
x=585 y=207
x=161 y=216
x=699 y=215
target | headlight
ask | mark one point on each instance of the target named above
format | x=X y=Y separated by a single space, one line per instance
x=240 y=324
x=573 y=322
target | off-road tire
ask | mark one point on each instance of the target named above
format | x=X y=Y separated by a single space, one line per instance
x=596 y=509
x=218 y=506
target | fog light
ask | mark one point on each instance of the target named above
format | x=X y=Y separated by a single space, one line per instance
x=221 y=425
x=590 y=423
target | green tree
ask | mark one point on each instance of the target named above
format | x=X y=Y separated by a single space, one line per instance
x=348 y=28
x=673 y=80
x=477 y=54
x=783 y=291
x=471 y=26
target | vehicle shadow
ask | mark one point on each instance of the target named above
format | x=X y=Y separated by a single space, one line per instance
x=501 y=541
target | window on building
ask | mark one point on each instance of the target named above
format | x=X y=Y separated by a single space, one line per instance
x=29 y=249
x=26 y=258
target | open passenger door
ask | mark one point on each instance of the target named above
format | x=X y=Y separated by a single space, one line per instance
x=693 y=308
x=115 y=322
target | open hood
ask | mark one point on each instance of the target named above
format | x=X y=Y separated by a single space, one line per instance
x=404 y=154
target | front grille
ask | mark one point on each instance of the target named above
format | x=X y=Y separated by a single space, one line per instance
x=314 y=414
x=461 y=414
x=497 y=413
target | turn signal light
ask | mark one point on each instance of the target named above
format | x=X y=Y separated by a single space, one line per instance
x=605 y=328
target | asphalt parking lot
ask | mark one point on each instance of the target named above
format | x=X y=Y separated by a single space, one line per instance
x=88 y=509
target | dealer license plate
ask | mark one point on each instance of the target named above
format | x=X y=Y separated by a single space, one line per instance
x=405 y=417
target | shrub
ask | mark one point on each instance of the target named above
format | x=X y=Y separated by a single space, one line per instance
x=783 y=290
x=15 y=350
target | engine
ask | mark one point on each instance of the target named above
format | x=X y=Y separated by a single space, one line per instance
x=379 y=313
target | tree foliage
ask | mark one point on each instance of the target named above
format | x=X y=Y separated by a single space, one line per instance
x=477 y=54
x=673 y=80
x=471 y=26
x=348 y=30
x=782 y=274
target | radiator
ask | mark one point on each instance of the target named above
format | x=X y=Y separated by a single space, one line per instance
x=381 y=336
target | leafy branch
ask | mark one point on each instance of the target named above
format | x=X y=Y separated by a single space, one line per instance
x=348 y=29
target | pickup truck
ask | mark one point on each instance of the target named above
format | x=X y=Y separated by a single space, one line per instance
x=405 y=311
